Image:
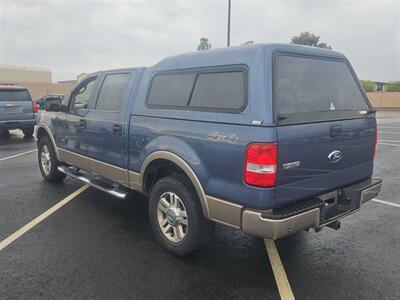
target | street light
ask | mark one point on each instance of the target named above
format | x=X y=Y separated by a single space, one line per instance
x=228 y=38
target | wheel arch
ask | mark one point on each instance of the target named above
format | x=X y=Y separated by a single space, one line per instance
x=44 y=130
x=179 y=162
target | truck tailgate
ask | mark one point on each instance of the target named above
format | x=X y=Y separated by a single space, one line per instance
x=316 y=158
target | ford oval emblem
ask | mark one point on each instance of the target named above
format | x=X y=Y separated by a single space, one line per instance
x=335 y=156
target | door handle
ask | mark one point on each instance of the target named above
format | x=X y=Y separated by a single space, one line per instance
x=117 y=129
x=335 y=130
x=82 y=123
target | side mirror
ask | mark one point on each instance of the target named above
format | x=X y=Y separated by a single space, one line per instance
x=52 y=104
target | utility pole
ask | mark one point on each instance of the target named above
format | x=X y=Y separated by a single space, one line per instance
x=228 y=38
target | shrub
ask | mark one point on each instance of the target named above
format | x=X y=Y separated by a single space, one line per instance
x=368 y=85
x=392 y=86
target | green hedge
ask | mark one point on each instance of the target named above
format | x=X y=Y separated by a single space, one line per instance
x=368 y=85
x=392 y=86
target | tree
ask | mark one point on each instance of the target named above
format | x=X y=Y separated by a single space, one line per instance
x=309 y=39
x=392 y=86
x=204 y=44
x=368 y=85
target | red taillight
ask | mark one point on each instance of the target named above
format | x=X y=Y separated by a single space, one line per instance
x=35 y=106
x=260 y=165
x=376 y=141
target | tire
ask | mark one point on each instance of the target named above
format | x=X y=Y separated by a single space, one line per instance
x=5 y=134
x=178 y=239
x=48 y=166
x=28 y=132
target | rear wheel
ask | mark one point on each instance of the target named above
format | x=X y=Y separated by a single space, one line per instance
x=28 y=132
x=48 y=162
x=4 y=134
x=176 y=216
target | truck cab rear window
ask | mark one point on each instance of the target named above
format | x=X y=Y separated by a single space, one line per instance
x=14 y=95
x=113 y=92
x=222 y=91
x=310 y=85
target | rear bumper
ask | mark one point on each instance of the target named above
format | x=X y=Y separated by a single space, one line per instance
x=311 y=213
x=17 y=124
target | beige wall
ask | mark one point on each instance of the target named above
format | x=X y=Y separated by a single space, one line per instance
x=9 y=73
x=39 y=90
x=385 y=100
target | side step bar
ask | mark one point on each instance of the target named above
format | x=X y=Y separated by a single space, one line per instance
x=96 y=183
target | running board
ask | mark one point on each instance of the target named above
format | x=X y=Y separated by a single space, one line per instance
x=96 y=183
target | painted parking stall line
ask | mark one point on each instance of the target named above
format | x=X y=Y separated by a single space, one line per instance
x=389 y=132
x=19 y=154
x=386 y=202
x=285 y=291
x=389 y=144
x=390 y=141
x=10 y=239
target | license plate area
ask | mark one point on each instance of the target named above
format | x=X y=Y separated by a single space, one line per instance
x=9 y=109
x=337 y=204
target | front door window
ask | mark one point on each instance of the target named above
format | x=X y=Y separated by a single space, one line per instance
x=81 y=95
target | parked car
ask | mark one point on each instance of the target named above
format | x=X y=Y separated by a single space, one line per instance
x=17 y=110
x=42 y=101
x=270 y=139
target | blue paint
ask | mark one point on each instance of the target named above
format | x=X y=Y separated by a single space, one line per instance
x=218 y=163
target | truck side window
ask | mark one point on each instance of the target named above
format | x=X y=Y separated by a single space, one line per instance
x=171 y=89
x=222 y=90
x=81 y=95
x=113 y=92
x=208 y=90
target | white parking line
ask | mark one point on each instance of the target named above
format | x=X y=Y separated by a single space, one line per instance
x=19 y=154
x=390 y=141
x=389 y=144
x=386 y=202
x=285 y=291
x=394 y=132
x=282 y=282
x=4 y=243
x=395 y=127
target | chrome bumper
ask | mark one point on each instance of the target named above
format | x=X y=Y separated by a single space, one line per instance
x=256 y=223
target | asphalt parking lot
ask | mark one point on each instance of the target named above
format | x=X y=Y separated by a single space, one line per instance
x=96 y=246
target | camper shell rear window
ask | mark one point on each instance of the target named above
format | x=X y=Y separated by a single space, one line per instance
x=311 y=88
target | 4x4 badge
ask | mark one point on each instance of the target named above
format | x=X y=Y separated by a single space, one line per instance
x=218 y=137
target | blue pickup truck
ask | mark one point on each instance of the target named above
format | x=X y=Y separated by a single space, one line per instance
x=271 y=139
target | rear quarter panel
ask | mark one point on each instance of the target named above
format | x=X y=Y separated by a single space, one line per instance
x=215 y=152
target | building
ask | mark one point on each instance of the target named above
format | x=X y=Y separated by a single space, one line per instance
x=36 y=79
x=74 y=81
x=11 y=74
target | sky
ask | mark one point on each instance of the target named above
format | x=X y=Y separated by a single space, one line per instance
x=70 y=37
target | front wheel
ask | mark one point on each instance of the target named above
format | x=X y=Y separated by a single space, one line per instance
x=176 y=216
x=48 y=162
